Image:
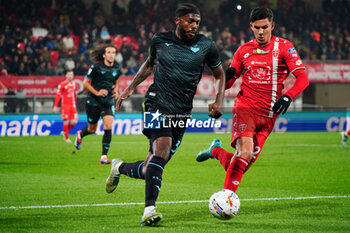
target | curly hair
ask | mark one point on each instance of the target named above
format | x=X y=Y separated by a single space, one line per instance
x=97 y=54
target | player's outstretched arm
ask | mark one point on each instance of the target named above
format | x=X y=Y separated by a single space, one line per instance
x=215 y=109
x=283 y=102
x=145 y=70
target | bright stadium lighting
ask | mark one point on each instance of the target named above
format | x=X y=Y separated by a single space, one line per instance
x=239 y=7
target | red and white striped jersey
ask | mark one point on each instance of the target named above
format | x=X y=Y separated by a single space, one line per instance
x=265 y=69
x=68 y=92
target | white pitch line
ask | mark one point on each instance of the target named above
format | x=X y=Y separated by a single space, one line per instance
x=184 y=143
x=166 y=202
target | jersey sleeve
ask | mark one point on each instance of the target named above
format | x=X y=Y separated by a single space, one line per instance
x=237 y=62
x=153 y=50
x=291 y=57
x=213 y=58
x=91 y=72
x=58 y=95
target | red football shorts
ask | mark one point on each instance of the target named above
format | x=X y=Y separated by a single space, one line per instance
x=245 y=123
x=69 y=112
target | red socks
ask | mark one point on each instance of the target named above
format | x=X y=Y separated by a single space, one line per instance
x=70 y=126
x=66 y=131
x=234 y=173
x=234 y=170
x=223 y=156
x=348 y=132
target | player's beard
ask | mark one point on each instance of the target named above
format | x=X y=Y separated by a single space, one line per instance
x=184 y=37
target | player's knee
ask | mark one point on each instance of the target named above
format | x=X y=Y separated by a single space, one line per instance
x=247 y=155
x=92 y=129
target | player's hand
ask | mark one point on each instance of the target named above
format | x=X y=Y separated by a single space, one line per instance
x=282 y=104
x=102 y=92
x=115 y=95
x=230 y=73
x=215 y=110
x=54 y=110
x=123 y=96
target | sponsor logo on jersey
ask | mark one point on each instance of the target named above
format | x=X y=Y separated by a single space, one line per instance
x=292 y=50
x=246 y=55
x=275 y=52
x=260 y=51
x=259 y=62
x=298 y=62
x=294 y=55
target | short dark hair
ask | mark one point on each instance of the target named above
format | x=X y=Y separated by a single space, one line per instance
x=186 y=8
x=261 y=13
x=97 y=54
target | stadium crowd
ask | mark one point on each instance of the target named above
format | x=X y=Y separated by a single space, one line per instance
x=47 y=37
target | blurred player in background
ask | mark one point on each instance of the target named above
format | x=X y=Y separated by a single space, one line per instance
x=66 y=92
x=345 y=134
x=266 y=62
x=344 y=137
x=101 y=82
x=178 y=59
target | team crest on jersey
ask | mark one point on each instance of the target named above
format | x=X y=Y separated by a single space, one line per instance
x=195 y=48
x=260 y=51
x=275 y=52
x=242 y=127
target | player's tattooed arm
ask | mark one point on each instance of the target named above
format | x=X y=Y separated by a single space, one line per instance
x=145 y=71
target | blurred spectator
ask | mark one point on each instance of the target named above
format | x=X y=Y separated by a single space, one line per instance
x=104 y=35
x=3 y=68
x=75 y=28
x=21 y=97
x=23 y=70
x=80 y=69
x=13 y=65
x=68 y=42
x=41 y=70
x=10 y=101
x=69 y=64
x=58 y=70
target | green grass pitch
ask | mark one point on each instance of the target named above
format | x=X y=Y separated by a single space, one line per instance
x=45 y=172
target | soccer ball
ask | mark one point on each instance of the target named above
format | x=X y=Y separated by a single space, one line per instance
x=224 y=204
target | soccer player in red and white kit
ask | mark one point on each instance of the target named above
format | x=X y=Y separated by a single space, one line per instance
x=66 y=92
x=266 y=61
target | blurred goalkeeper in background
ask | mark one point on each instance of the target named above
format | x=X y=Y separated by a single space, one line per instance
x=265 y=63
x=101 y=82
x=178 y=59
x=66 y=92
